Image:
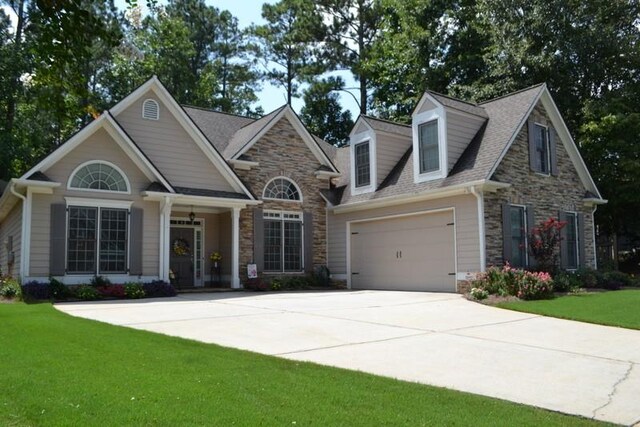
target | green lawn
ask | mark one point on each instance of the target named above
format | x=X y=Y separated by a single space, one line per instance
x=613 y=308
x=60 y=370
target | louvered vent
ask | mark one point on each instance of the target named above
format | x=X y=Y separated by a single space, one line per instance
x=150 y=110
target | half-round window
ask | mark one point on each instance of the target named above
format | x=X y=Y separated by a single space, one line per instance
x=281 y=188
x=99 y=176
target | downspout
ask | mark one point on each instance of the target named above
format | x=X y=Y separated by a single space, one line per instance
x=23 y=228
x=480 y=199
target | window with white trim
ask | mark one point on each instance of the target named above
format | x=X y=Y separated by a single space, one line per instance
x=362 y=164
x=97 y=240
x=429 y=147
x=541 y=149
x=282 y=189
x=518 y=236
x=282 y=241
x=99 y=176
x=150 y=109
x=572 y=240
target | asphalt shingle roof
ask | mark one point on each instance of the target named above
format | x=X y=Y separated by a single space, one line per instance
x=218 y=127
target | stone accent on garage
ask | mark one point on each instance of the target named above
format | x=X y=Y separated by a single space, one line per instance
x=547 y=194
x=282 y=152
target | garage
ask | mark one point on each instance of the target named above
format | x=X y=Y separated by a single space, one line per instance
x=411 y=253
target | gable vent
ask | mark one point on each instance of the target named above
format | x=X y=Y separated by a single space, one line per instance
x=150 y=110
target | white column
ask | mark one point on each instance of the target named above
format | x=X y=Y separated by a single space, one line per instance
x=165 y=225
x=235 y=248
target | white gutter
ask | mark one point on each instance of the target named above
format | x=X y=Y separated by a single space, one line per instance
x=481 y=230
x=24 y=242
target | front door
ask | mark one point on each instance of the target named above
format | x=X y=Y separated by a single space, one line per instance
x=182 y=256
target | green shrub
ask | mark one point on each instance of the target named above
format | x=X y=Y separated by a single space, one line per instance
x=589 y=278
x=478 y=293
x=566 y=281
x=57 y=289
x=533 y=286
x=10 y=288
x=614 y=280
x=87 y=293
x=100 y=281
x=517 y=282
x=133 y=290
x=493 y=281
x=276 y=284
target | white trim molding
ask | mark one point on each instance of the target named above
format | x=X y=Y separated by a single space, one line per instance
x=98 y=203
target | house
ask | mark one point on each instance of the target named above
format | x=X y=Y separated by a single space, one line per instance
x=151 y=188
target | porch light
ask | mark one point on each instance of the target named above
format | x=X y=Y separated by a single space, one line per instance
x=192 y=215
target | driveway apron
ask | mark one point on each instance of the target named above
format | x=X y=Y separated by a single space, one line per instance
x=432 y=338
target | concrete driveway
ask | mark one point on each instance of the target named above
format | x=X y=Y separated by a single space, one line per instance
x=431 y=338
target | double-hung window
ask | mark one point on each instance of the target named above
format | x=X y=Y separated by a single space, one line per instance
x=283 y=242
x=362 y=164
x=97 y=240
x=541 y=149
x=429 y=149
x=571 y=242
x=518 y=236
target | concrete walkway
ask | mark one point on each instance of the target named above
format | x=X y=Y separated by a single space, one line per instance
x=438 y=339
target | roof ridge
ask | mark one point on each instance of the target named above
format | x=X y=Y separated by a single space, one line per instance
x=512 y=93
x=209 y=110
x=256 y=120
x=473 y=104
x=384 y=120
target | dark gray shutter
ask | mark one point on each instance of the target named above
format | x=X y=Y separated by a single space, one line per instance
x=258 y=239
x=531 y=224
x=135 y=241
x=58 y=239
x=582 y=241
x=308 y=241
x=506 y=232
x=564 y=248
x=532 y=145
x=553 y=155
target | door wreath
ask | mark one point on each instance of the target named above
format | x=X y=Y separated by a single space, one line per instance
x=181 y=247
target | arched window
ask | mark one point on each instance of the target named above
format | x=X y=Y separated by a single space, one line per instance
x=150 y=109
x=99 y=176
x=282 y=189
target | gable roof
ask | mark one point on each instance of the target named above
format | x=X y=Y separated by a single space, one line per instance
x=217 y=126
x=505 y=117
x=208 y=148
x=386 y=126
x=105 y=121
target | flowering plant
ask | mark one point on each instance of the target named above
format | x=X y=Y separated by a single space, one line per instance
x=181 y=247
x=544 y=242
x=215 y=256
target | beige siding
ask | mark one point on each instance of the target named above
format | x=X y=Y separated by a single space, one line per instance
x=389 y=149
x=11 y=227
x=466 y=223
x=171 y=149
x=460 y=131
x=426 y=106
x=99 y=146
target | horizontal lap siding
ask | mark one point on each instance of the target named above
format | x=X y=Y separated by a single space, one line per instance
x=467 y=240
x=171 y=149
x=99 y=146
x=460 y=131
x=11 y=226
x=389 y=150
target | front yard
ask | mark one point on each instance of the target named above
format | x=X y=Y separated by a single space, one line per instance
x=612 y=308
x=60 y=370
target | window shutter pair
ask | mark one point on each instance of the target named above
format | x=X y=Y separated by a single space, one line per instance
x=58 y=240
x=506 y=231
x=258 y=240
x=553 y=157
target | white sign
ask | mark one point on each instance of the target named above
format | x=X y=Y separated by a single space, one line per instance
x=252 y=271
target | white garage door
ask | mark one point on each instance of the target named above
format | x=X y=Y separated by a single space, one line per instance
x=412 y=253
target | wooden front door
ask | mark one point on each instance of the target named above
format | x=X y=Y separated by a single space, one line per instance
x=182 y=256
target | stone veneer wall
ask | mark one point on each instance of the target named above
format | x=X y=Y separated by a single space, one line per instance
x=547 y=194
x=282 y=152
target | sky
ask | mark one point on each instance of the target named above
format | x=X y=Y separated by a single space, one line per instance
x=270 y=97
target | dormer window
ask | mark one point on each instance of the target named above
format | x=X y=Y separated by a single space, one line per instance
x=362 y=164
x=428 y=147
x=150 y=109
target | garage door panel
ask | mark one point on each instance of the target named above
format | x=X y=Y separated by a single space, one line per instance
x=408 y=253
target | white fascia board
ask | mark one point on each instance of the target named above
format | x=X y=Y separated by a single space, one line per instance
x=67 y=146
x=199 y=200
x=327 y=174
x=593 y=201
x=133 y=96
x=243 y=164
x=43 y=187
x=567 y=141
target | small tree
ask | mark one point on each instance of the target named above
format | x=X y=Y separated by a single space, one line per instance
x=544 y=244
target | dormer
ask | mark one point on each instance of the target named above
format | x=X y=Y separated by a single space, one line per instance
x=442 y=128
x=376 y=146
